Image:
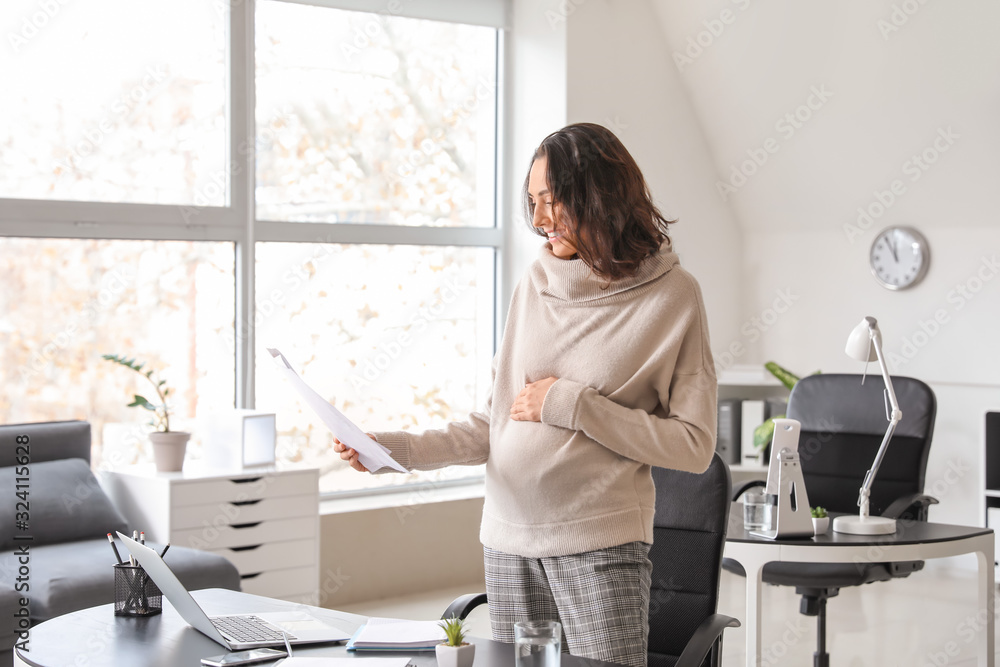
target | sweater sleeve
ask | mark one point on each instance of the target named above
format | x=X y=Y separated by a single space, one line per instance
x=459 y=443
x=682 y=439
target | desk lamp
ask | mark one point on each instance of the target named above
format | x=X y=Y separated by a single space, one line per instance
x=865 y=344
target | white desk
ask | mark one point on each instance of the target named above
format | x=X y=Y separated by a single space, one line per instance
x=912 y=541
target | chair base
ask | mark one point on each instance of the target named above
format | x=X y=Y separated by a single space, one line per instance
x=813 y=603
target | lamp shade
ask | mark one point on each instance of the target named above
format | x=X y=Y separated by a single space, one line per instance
x=859 y=343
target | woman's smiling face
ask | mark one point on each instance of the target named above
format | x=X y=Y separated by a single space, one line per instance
x=546 y=214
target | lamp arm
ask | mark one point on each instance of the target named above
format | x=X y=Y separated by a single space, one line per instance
x=894 y=418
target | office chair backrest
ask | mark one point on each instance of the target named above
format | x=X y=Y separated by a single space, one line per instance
x=689 y=533
x=843 y=423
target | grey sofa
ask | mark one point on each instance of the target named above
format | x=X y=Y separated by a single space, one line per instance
x=68 y=564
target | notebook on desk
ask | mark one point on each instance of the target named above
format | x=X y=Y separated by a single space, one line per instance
x=393 y=634
x=238 y=631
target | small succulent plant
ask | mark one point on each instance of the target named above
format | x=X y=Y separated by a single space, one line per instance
x=818 y=513
x=454 y=629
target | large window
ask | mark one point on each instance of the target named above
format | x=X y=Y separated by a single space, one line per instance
x=113 y=101
x=396 y=337
x=66 y=302
x=146 y=210
x=384 y=120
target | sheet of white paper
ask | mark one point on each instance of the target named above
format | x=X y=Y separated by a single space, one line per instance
x=371 y=454
x=308 y=661
x=398 y=631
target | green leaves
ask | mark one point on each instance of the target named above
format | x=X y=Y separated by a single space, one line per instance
x=141 y=402
x=161 y=411
x=785 y=376
x=454 y=630
x=763 y=434
x=818 y=513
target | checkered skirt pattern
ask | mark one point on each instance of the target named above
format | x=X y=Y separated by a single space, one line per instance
x=601 y=598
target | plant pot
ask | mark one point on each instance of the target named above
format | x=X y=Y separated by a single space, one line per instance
x=820 y=525
x=168 y=449
x=455 y=656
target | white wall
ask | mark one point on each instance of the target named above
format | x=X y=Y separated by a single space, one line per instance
x=535 y=105
x=620 y=75
x=886 y=95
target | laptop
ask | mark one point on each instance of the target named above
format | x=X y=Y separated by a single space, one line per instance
x=236 y=632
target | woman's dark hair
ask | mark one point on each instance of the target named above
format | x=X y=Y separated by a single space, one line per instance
x=599 y=188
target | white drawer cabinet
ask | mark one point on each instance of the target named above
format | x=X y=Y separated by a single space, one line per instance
x=266 y=523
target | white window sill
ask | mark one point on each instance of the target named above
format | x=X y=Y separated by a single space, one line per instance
x=404 y=496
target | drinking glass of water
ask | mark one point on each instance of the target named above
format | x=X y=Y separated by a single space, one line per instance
x=537 y=643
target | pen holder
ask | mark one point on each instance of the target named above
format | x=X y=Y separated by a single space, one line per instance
x=135 y=592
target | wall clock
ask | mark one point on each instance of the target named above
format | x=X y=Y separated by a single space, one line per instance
x=899 y=257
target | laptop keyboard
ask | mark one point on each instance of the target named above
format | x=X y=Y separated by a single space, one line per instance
x=248 y=629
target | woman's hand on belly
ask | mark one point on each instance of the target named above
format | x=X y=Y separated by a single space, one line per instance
x=527 y=406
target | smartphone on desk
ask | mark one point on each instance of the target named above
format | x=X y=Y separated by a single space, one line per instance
x=244 y=657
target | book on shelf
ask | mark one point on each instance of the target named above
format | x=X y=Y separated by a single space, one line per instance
x=751 y=416
x=727 y=441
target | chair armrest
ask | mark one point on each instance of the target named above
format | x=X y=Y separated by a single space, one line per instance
x=746 y=487
x=901 y=504
x=704 y=638
x=463 y=604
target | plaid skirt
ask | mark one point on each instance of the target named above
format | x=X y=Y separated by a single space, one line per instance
x=601 y=598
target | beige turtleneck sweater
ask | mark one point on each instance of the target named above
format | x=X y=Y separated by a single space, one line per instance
x=636 y=388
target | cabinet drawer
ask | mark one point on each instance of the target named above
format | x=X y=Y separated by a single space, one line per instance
x=224 y=490
x=211 y=537
x=271 y=556
x=243 y=511
x=282 y=583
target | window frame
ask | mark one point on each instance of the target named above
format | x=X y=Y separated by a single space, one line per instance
x=237 y=221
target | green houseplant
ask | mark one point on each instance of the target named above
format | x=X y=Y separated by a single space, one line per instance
x=820 y=519
x=455 y=652
x=169 y=446
x=764 y=433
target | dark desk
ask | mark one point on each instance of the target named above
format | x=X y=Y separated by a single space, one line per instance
x=915 y=540
x=95 y=637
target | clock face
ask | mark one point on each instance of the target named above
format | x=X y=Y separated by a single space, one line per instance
x=899 y=257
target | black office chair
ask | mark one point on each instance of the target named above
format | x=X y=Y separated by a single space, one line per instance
x=689 y=533
x=843 y=423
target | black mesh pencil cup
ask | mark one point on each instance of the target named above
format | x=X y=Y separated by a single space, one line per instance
x=135 y=592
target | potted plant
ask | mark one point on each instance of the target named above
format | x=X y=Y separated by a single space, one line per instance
x=168 y=446
x=821 y=520
x=455 y=652
x=763 y=434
